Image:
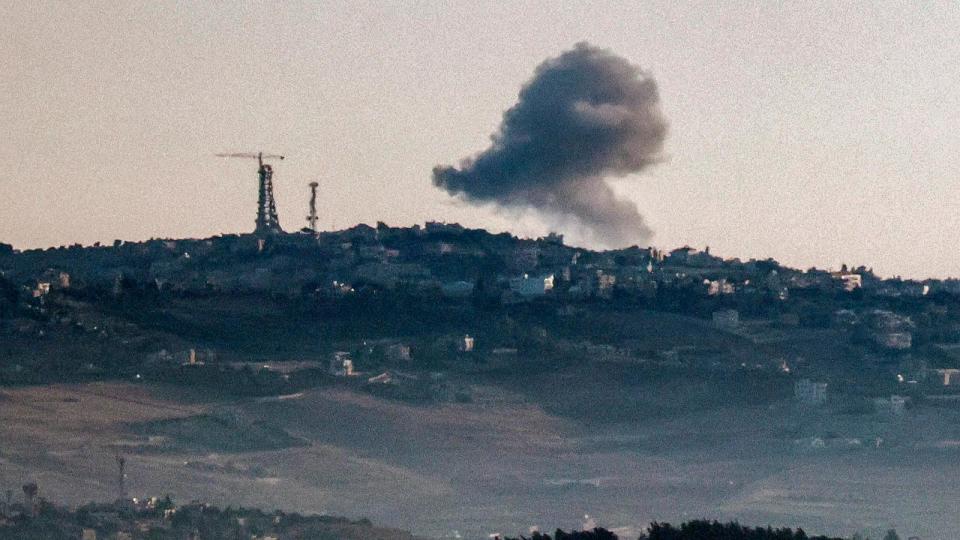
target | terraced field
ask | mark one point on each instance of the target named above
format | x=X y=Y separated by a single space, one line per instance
x=499 y=464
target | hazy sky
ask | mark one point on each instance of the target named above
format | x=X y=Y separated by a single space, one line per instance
x=816 y=133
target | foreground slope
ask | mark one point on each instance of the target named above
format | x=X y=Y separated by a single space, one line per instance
x=499 y=464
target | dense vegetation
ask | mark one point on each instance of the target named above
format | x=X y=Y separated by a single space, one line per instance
x=712 y=530
x=693 y=530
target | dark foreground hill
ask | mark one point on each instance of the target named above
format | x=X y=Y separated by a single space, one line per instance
x=693 y=530
x=162 y=520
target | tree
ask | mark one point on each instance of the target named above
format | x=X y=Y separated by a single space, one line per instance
x=891 y=535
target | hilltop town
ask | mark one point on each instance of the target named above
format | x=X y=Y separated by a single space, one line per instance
x=397 y=301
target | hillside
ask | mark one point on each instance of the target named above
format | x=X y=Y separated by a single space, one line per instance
x=440 y=379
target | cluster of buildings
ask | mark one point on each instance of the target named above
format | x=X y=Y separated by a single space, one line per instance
x=153 y=517
x=448 y=264
x=446 y=259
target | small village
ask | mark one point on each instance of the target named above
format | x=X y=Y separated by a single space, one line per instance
x=908 y=331
x=160 y=518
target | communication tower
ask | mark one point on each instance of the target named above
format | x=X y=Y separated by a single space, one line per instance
x=312 y=218
x=267 y=222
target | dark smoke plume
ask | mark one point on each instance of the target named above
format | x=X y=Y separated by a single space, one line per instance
x=584 y=116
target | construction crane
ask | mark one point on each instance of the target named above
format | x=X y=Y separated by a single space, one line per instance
x=267 y=222
x=312 y=218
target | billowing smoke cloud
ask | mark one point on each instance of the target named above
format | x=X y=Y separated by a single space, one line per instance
x=584 y=116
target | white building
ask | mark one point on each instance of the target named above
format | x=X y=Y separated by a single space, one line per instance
x=851 y=281
x=951 y=376
x=466 y=344
x=341 y=364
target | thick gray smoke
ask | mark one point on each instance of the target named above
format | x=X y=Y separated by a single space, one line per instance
x=584 y=116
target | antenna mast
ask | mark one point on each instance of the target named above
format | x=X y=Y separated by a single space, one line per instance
x=267 y=222
x=312 y=218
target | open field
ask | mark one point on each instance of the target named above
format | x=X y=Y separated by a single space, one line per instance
x=499 y=464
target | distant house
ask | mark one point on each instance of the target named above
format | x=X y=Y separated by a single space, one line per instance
x=42 y=289
x=808 y=392
x=719 y=286
x=851 y=282
x=337 y=289
x=530 y=286
x=341 y=364
x=891 y=330
x=727 y=319
x=56 y=278
x=605 y=284
x=893 y=405
x=681 y=256
x=688 y=256
x=433 y=227
x=951 y=376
